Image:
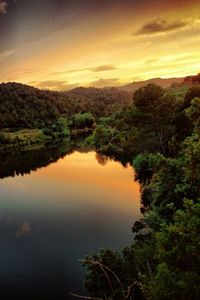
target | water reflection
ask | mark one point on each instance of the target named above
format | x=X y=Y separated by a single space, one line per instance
x=77 y=204
x=23 y=163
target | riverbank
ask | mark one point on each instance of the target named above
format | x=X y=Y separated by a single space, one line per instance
x=23 y=139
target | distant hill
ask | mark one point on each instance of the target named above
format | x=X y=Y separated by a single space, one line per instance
x=191 y=80
x=163 y=82
x=187 y=81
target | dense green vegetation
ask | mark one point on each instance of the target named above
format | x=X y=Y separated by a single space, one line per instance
x=21 y=139
x=159 y=132
x=26 y=106
x=162 y=133
x=59 y=115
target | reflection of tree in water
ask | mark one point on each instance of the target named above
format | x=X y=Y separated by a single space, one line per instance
x=102 y=159
x=12 y=164
x=25 y=162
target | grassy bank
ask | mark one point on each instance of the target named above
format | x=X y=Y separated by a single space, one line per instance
x=23 y=139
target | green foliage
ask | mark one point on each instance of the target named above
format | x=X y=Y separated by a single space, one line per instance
x=193 y=112
x=164 y=137
x=83 y=120
x=177 y=274
x=62 y=129
x=113 y=275
x=106 y=121
x=146 y=165
x=156 y=119
x=23 y=106
x=102 y=136
x=59 y=130
x=192 y=93
x=24 y=136
x=148 y=98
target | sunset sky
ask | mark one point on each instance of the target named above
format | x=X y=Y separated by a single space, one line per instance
x=61 y=44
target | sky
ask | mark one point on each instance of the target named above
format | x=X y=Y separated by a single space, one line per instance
x=62 y=44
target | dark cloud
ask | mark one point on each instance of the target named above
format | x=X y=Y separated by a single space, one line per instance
x=158 y=26
x=56 y=85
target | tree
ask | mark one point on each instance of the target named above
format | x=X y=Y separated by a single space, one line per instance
x=62 y=127
x=156 y=119
x=83 y=120
x=177 y=274
x=192 y=93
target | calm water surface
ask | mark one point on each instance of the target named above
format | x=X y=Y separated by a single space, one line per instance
x=54 y=216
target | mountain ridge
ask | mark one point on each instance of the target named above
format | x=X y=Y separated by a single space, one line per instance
x=129 y=87
x=163 y=82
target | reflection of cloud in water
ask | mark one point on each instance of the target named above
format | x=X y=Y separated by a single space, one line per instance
x=23 y=229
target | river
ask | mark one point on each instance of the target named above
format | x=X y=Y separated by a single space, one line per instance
x=53 y=214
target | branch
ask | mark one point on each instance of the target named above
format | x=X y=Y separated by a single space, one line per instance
x=85 y=297
x=130 y=289
x=107 y=268
x=108 y=278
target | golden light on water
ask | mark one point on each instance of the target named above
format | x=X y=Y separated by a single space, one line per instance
x=84 y=174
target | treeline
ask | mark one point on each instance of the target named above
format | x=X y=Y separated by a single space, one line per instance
x=162 y=133
x=23 y=106
x=156 y=122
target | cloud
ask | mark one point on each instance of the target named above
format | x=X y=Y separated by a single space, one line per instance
x=23 y=229
x=59 y=85
x=151 y=61
x=69 y=71
x=103 y=68
x=54 y=85
x=3 y=5
x=6 y=53
x=159 y=26
x=101 y=83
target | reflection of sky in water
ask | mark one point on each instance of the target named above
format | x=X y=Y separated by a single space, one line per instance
x=53 y=217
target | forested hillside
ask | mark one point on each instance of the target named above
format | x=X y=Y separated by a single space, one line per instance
x=23 y=106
